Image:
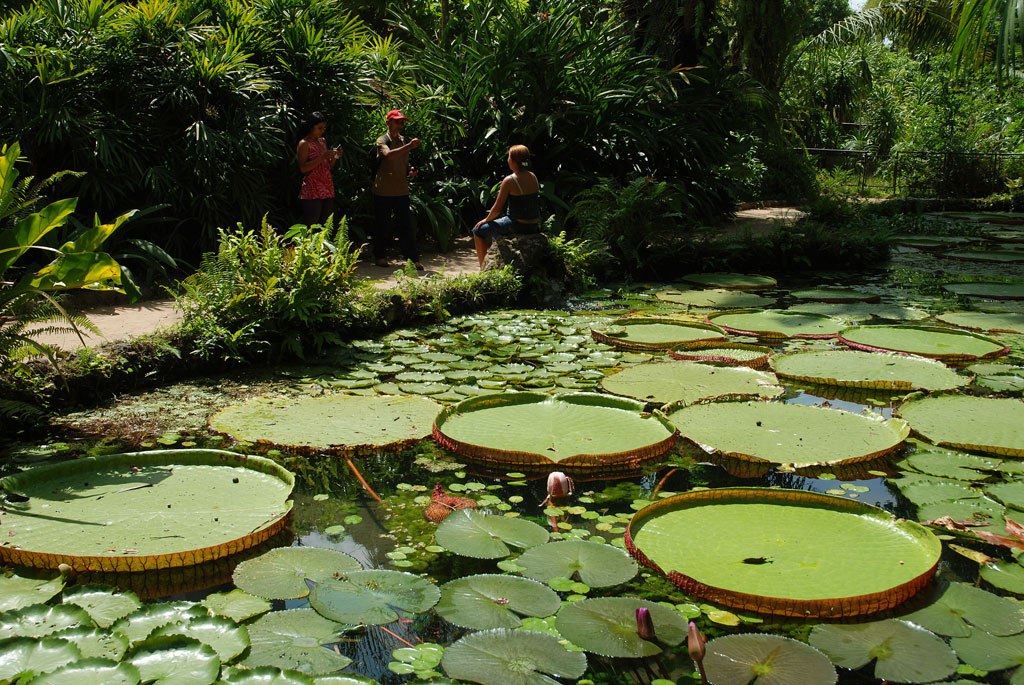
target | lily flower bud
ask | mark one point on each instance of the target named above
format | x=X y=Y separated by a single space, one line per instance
x=559 y=484
x=695 y=643
x=644 y=624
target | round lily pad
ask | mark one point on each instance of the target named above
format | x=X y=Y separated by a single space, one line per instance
x=905 y=653
x=594 y=564
x=773 y=324
x=223 y=635
x=336 y=424
x=484 y=536
x=295 y=639
x=860 y=311
x=731 y=281
x=867 y=370
x=374 y=597
x=608 y=626
x=1006 y=378
x=786 y=552
x=512 y=657
x=20 y=590
x=1005 y=575
x=281 y=573
x=103 y=604
x=142 y=622
x=1001 y=256
x=727 y=354
x=927 y=341
x=955 y=607
x=91 y=672
x=236 y=605
x=715 y=298
x=766 y=660
x=174 y=660
x=494 y=601
x=986 y=424
x=991 y=652
x=795 y=434
x=1011 y=494
x=145 y=510
x=985 y=321
x=826 y=294
x=655 y=334
x=929 y=242
x=25 y=655
x=993 y=291
x=574 y=431
x=688 y=382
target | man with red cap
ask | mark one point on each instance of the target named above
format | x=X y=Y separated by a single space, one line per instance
x=391 y=192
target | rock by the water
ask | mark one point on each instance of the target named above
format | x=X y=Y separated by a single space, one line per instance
x=532 y=256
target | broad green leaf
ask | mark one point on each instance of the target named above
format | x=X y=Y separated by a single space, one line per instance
x=766 y=660
x=511 y=657
x=730 y=280
x=96 y=643
x=484 y=536
x=374 y=597
x=19 y=589
x=28 y=655
x=833 y=294
x=595 y=564
x=1005 y=575
x=905 y=652
x=715 y=298
x=175 y=661
x=76 y=271
x=31 y=229
x=264 y=675
x=985 y=321
x=39 y=620
x=104 y=604
x=867 y=370
x=607 y=626
x=281 y=573
x=926 y=341
x=774 y=323
x=141 y=623
x=989 y=652
x=91 y=672
x=656 y=334
x=987 y=424
x=493 y=601
x=236 y=605
x=956 y=607
x=688 y=382
x=293 y=639
x=227 y=638
x=999 y=291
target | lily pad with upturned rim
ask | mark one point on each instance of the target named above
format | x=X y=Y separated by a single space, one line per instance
x=1006 y=378
x=655 y=334
x=766 y=660
x=927 y=341
x=994 y=291
x=373 y=597
x=773 y=324
x=985 y=321
x=1000 y=256
x=608 y=626
x=834 y=295
x=731 y=281
x=665 y=382
x=484 y=536
x=986 y=424
x=490 y=601
x=281 y=573
x=905 y=653
x=294 y=639
x=715 y=298
x=873 y=370
x=596 y=564
x=727 y=354
x=860 y=311
x=511 y=657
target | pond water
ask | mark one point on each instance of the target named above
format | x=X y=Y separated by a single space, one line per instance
x=540 y=351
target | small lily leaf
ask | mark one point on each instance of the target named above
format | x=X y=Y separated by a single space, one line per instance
x=104 y=605
x=91 y=672
x=27 y=655
x=236 y=605
x=374 y=597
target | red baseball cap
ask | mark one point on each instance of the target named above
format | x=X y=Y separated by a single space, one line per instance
x=396 y=115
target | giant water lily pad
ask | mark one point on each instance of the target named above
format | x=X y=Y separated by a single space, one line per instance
x=493 y=601
x=715 y=298
x=484 y=536
x=281 y=573
x=512 y=657
x=338 y=424
x=608 y=626
x=766 y=660
x=927 y=341
x=594 y=564
x=986 y=424
x=787 y=552
x=860 y=311
x=1001 y=256
x=375 y=597
x=1006 y=378
x=985 y=321
x=143 y=511
x=795 y=434
x=295 y=639
x=727 y=354
x=773 y=324
x=955 y=607
x=655 y=334
x=688 y=382
x=867 y=370
x=994 y=291
x=731 y=281
x=930 y=242
x=574 y=430
x=905 y=653
x=834 y=294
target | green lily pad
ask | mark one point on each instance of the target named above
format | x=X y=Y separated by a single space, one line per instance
x=607 y=626
x=375 y=597
x=867 y=370
x=226 y=637
x=655 y=334
x=985 y=424
x=174 y=660
x=1005 y=575
x=991 y=652
x=950 y=464
x=688 y=382
x=91 y=672
x=795 y=434
x=1010 y=494
x=905 y=653
x=294 y=639
x=984 y=321
x=731 y=281
x=860 y=311
x=1005 y=378
x=715 y=298
x=339 y=424
x=778 y=325
x=977 y=510
x=281 y=573
x=141 y=623
x=927 y=341
x=511 y=657
x=929 y=242
x=833 y=294
x=766 y=660
x=995 y=291
x=236 y=605
x=483 y=536
x=593 y=563
x=957 y=607
x=267 y=675
x=26 y=655
x=1001 y=256
x=96 y=643
x=104 y=605
x=729 y=354
x=145 y=510
x=40 y=620
x=494 y=601
x=20 y=590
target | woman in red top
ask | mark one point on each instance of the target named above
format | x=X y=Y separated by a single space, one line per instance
x=316 y=199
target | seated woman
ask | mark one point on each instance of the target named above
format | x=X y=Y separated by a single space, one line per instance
x=520 y=190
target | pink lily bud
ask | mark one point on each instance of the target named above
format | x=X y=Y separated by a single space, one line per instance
x=644 y=624
x=695 y=643
x=559 y=484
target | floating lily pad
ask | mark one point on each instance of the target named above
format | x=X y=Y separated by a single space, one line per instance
x=929 y=242
x=103 y=604
x=867 y=370
x=985 y=321
x=236 y=605
x=774 y=324
x=956 y=607
x=1001 y=256
x=986 y=424
x=594 y=564
x=1005 y=378
x=716 y=298
x=266 y=675
x=294 y=639
x=766 y=660
x=787 y=552
x=143 y=511
x=927 y=341
x=860 y=311
x=994 y=291
x=141 y=623
x=91 y=672
x=338 y=424
x=728 y=354
x=375 y=597
x=40 y=620
x=795 y=434
x=224 y=636
x=25 y=655
x=512 y=657
x=950 y=464
x=732 y=281
x=281 y=573
x=96 y=643
x=574 y=431
x=18 y=591
x=838 y=295
x=655 y=334
x=494 y=601
x=174 y=660
x=1005 y=575
x=905 y=653
x=688 y=382
x=484 y=536
x=1011 y=494
x=989 y=652
x=607 y=626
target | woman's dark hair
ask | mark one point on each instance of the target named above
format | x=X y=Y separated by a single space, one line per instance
x=306 y=126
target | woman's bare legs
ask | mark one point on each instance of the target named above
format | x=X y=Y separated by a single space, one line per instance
x=481 y=248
